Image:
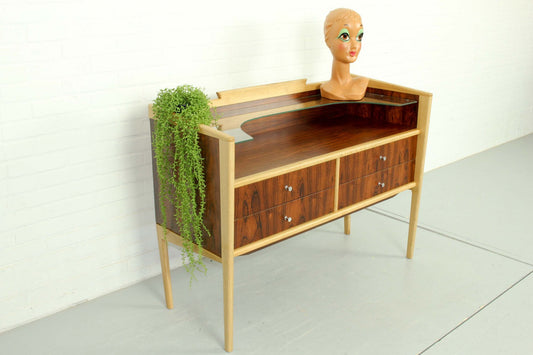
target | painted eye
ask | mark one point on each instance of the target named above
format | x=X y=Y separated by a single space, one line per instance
x=360 y=34
x=344 y=35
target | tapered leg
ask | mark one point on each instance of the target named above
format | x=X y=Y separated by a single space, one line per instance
x=165 y=267
x=227 y=217
x=413 y=221
x=347 y=224
x=227 y=269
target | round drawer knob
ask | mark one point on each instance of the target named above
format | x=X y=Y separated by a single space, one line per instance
x=381 y=184
x=288 y=188
x=383 y=157
x=288 y=219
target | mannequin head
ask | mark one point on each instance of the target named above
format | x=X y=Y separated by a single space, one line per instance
x=343 y=32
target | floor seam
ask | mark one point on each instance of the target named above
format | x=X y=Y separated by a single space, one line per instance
x=477 y=312
x=446 y=235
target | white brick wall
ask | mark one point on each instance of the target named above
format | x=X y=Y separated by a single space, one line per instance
x=76 y=208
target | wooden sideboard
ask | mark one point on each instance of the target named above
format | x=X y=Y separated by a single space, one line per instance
x=307 y=161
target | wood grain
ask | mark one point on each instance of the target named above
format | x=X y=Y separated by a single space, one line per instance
x=260 y=225
x=372 y=160
x=375 y=184
x=274 y=149
x=320 y=220
x=271 y=192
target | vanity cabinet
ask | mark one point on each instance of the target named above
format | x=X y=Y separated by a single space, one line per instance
x=284 y=160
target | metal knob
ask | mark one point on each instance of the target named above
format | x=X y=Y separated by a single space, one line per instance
x=288 y=188
x=288 y=219
x=381 y=184
x=383 y=157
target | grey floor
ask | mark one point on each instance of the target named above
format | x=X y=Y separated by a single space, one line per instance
x=469 y=289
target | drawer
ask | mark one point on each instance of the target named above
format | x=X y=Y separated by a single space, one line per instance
x=262 y=195
x=263 y=224
x=372 y=160
x=375 y=184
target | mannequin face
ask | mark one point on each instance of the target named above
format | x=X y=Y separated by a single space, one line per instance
x=345 y=41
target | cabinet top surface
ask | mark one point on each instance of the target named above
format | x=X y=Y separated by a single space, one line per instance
x=291 y=128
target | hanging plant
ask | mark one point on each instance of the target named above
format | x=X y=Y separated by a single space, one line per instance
x=180 y=168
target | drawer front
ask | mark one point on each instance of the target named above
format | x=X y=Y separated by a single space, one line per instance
x=375 y=184
x=372 y=160
x=260 y=225
x=262 y=195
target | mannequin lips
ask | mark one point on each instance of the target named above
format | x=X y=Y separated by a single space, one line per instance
x=353 y=53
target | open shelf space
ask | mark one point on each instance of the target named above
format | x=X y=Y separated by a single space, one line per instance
x=273 y=149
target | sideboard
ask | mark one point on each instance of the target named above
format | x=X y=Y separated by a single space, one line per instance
x=284 y=160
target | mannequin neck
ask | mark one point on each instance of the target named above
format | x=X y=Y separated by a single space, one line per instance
x=340 y=72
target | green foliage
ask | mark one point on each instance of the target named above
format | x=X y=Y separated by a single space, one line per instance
x=178 y=113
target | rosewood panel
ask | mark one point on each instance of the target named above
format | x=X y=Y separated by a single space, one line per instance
x=294 y=120
x=266 y=104
x=400 y=115
x=210 y=154
x=384 y=113
x=260 y=225
x=375 y=184
x=272 y=192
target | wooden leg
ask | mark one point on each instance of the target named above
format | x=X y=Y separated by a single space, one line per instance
x=347 y=224
x=413 y=221
x=227 y=217
x=165 y=267
x=227 y=270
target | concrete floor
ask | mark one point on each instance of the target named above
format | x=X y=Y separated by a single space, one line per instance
x=468 y=290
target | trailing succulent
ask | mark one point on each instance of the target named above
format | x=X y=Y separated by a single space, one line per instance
x=180 y=169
